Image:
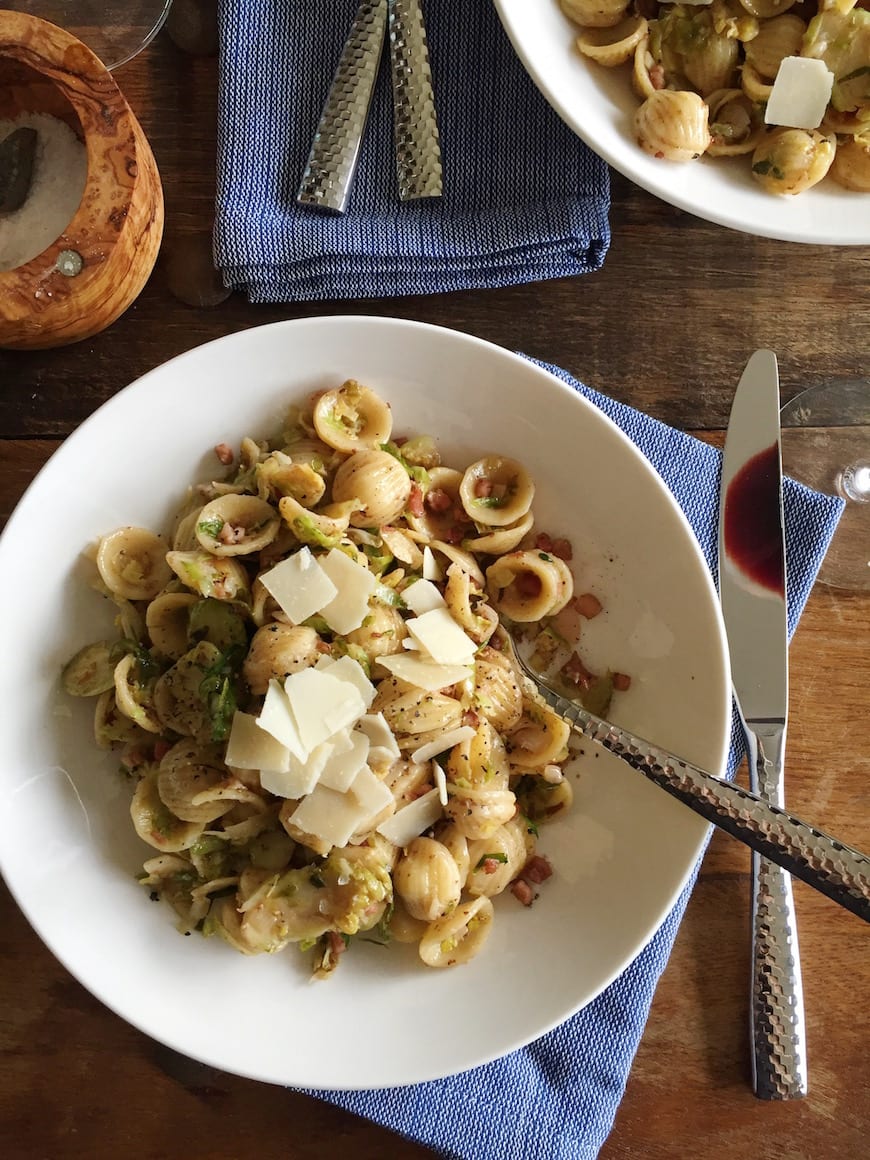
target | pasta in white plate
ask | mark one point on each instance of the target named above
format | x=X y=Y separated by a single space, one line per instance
x=309 y=691
x=784 y=85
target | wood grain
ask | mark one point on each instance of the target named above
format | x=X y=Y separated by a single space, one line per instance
x=115 y=233
x=665 y=325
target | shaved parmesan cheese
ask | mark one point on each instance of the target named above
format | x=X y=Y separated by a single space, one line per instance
x=445 y=741
x=328 y=815
x=422 y=596
x=800 y=94
x=383 y=748
x=440 y=782
x=354 y=585
x=410 y=822
x=277 y=718
x=345 y=761
x=347 y=669
x=422 y=672
x=371 y=794
x=250 y=747
x=300 y=778
x=299 y=585
x=438 y=634
x=322 y=704
x=431 y=568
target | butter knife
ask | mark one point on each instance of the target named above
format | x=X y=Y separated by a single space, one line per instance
x=417 y=141
x=331 y=167
x=752 y=587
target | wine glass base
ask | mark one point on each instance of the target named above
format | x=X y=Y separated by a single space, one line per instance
x=826 y=445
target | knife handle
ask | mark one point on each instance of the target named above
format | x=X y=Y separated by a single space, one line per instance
x=331 y=166
x=828 y=865
x=776 y=1006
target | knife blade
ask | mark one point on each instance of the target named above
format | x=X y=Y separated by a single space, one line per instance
x=752 y=589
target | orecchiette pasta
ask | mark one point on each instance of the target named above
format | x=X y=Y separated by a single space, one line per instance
x=682 y=58
x=310 y=686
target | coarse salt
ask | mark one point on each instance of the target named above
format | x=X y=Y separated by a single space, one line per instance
x=60 y=170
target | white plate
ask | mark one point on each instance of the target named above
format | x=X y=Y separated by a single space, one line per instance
x=599 y=105
x=67 y=849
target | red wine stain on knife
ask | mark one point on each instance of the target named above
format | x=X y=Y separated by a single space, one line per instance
x=753 y=529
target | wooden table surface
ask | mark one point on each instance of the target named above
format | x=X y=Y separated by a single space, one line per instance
x=666 y=326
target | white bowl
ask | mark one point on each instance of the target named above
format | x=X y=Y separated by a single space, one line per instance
x=67 y=849
x=599 y=105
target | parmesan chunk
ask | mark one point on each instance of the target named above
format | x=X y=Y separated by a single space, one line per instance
x=800 y=93
x=347 y=669
x=445 y=741
x=299 y=585
x=422 y=596
x=422 y=672
x=371 y=794
x=438 y=634
x=440 y=782
x=322 y=704
x=277 y=718
x=348 y=757
x=301 y=778
x=354 y=585
x=250 y=747
x=411 y=821
x=431 y=568
x=328 y=815
x=383 y=748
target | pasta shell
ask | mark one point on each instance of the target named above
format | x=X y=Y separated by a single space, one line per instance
x=788 y=161
x=442 y=516
x=427 y=880
x=378 y=485
x=352 y=417
x=529 y=585
x=496 y=543
x=736 y=124
x=497 y=693
x=459 y=936
x=496 y=491
x=466 y=604
x=199 y=793
x=777 y=38
x=594 y=13
x=178 y=699
x=220 y=577
x=673 y=125
x=279 y=475
x=132 y=563
x=614 y=45
x=236 y=525
x=166 y=619
x=134 y=700
x=851 y=165
x=540 y=737
x=157 y=825
x=381 y=633
x=275 y=651
x=497 y=860
x=766 y=9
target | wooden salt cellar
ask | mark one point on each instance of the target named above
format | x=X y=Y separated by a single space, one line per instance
x=97 y=267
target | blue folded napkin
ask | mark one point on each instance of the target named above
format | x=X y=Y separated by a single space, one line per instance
x=524 y=199
x=556 y=1098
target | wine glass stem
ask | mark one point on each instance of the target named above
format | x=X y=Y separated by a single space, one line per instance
x=854 y=481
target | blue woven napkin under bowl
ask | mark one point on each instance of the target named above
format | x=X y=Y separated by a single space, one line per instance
x=524 y=199
x=556 y=1098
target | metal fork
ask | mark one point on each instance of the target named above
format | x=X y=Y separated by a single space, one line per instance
x=829 y=866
